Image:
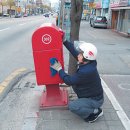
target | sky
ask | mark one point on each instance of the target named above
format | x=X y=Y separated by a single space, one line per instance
x=54 y=1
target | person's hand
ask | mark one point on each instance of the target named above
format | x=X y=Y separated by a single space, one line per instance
x=56 y=66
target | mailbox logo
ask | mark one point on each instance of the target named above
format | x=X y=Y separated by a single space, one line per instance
x=46 y=39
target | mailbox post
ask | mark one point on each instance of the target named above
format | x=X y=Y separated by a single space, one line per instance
x=47 y=44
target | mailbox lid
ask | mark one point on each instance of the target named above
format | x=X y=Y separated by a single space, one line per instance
x=47 y=37
x=42 y=66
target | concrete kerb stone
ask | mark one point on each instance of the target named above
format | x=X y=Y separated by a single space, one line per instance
x=6 y=87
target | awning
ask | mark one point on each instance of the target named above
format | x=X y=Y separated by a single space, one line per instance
x=118 y=8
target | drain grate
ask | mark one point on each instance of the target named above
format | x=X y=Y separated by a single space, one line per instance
x=30 y=85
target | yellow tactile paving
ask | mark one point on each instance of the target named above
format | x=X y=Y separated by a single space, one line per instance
x=1 y=89
x=5 y=83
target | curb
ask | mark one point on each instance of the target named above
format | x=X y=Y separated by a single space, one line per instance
x=11 y=80
x=127 y=35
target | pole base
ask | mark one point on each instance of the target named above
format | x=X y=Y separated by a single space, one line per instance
x=54 y=97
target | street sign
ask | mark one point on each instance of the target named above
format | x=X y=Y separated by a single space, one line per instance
x=66 y=20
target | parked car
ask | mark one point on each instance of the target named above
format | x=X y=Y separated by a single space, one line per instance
x=18 y=16
x=99 y=21
x=46 y=15
x=5 y=15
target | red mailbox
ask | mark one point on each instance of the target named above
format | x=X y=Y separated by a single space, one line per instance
x=47 y=44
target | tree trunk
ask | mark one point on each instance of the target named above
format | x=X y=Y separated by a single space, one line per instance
x=2 y=10
x=10 y=12
x=75 y=17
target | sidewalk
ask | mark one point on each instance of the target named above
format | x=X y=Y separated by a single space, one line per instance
x=22 y=112
x=57 y=119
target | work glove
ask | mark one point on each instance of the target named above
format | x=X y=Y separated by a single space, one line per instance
x=56 y=66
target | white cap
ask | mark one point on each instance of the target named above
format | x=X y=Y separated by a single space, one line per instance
x=88 y=49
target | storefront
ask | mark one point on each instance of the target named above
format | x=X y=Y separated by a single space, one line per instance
x=98 y=7
x=121 y=16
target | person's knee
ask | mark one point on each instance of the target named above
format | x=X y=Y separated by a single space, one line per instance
x=73 y=107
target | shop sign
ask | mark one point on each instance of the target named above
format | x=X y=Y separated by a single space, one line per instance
x=91 y=5
x=98 y=5
x=123 y=3
x=89 y=1
x=94 y=5
x=85 y=11
x=105 y=3
x=129 y=2
x=114 y=3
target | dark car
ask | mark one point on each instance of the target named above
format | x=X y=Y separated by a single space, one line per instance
x=99 y=21
x=18 y=16
x=46 y=15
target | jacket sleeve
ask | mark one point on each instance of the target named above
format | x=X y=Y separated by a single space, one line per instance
x=69 y=80
x=71 y=48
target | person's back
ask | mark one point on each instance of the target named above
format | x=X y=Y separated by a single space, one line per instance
x=90 y=82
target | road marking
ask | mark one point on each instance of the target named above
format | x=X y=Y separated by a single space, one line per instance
x=121 y=75
x=4 y=29
x=22 y=24
x=119 y=110
x=6 y=82
x=123 y=86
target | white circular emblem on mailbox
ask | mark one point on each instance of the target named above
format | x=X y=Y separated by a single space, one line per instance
x=46 y=39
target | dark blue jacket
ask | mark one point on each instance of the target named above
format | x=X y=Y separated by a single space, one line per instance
x=86 y=81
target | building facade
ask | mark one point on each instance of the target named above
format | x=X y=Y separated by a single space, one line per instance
x=98 y=7
x=117 y=13
x=120 y=15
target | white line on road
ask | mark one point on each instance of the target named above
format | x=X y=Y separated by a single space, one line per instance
x=4 y=29
x=22 y=24
x=119 y=110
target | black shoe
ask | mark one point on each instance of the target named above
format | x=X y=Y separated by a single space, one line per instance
x=93 y=117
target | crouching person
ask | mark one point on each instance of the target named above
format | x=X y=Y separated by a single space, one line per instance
x=85 y=82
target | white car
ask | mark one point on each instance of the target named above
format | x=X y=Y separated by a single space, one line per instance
x=99 y=21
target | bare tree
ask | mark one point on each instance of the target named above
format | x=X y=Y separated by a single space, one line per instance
x=75 y=17
x=10 y=3
x=3 y=3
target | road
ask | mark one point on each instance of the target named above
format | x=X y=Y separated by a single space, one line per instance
x=113 y=53
x=15 y=43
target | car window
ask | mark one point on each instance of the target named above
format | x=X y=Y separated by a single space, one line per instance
x=99 y=18
x=104 y=18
